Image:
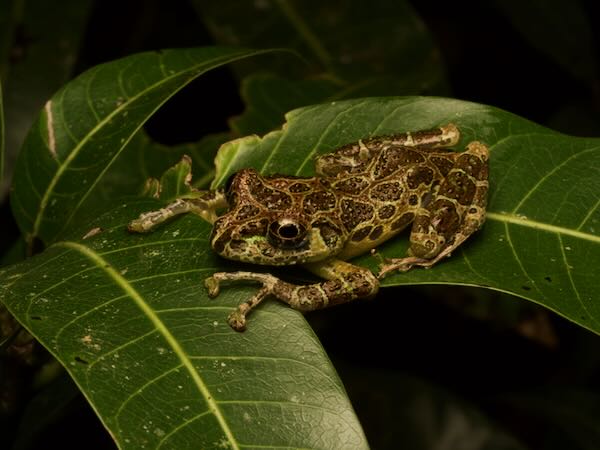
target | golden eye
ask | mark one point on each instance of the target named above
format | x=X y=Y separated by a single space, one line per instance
x=287 y=233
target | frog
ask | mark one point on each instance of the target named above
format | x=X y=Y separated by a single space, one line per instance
x=362 y=194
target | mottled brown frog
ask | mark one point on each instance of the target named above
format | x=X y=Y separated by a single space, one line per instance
x=363 y=194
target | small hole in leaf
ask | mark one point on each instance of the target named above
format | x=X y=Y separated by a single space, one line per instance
x=36 y=318
x=81 y=360
x=548 y=279
x=526 y=288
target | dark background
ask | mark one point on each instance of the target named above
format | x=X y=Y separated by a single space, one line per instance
x=483 y=358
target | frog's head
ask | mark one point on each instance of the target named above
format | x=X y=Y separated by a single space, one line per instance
x=267 y=224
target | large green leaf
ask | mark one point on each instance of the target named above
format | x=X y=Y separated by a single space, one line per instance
x=32 y=44
x=268 y=97
x=541 y=240
x=84 y=127
x=143 y=158
x=128 y=317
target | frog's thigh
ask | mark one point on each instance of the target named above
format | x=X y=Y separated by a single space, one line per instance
x=456 y=212
x=345 y=282
x=353 y=155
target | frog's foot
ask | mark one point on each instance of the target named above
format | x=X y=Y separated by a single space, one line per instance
x=348 y=283
x=407 y=263
x=398 y=264
x=237 y=318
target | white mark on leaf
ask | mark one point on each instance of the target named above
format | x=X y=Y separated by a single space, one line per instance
x=92 y=232
x=50 y=127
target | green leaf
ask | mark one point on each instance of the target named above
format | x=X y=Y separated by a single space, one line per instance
x=176 y=181
x=129 y=319
x=268 y=97
x=143 y=158
x=541 y=239
x=371 y=40
x=84 y=127
x=32 y=44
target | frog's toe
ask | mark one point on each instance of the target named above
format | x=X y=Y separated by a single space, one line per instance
x=399 y=265
x=237 y=320
x=212 y=286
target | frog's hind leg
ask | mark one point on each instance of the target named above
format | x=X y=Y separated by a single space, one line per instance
x=345 y=282
x=442 y=137
x=352 y=156
x=455 y=212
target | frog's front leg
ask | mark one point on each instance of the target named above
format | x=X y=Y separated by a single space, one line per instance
x=455 y=212
x=205 y=204
x=345 y=282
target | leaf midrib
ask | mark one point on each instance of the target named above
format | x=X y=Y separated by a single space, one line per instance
x=516 y=219
x=162 y=329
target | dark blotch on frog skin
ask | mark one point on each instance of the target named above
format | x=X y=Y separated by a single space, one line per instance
x=387 y=211
x=376 y=233
x=392 y=159
x=402 y=221
x=352 y=186
x=318 y=201
x=418 y=176
x=387 y=192
x=362 y=233
x=355 y=213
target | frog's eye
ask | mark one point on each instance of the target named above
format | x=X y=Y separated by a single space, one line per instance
x=287 y=233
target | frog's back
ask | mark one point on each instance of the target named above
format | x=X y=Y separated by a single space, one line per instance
x=379 y=196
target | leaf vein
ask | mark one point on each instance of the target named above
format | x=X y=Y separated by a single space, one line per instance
x=548 y=175
x=164 y=331
x=517 y=220
x=520 y=263
x=573 y=286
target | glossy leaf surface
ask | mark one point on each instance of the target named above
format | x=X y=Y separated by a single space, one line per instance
x=31 y=44
x=542 y=237
x=85 y=126
x=129 y=318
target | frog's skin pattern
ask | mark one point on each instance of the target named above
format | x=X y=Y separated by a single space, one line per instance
x=363 y=194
